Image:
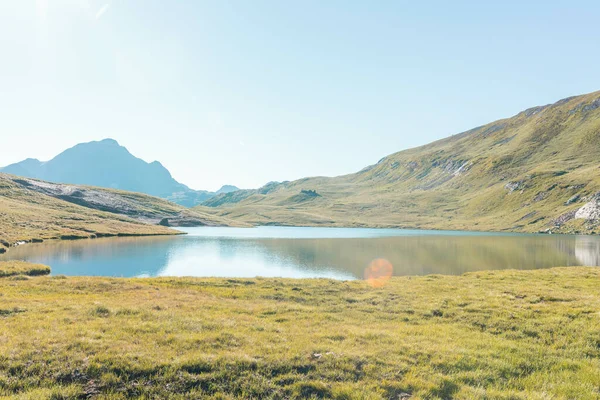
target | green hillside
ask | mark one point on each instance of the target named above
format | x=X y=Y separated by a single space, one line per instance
x=536 y=171
x=33 y=210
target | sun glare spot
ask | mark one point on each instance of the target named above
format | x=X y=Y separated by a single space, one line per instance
x=378 y=273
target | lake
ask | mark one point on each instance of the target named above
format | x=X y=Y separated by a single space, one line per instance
x=338 y=253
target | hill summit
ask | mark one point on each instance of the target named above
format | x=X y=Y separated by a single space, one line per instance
x=107 y=164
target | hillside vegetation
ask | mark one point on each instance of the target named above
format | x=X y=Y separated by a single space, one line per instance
x=494 y=335
x=536 y=171
x=32 y=210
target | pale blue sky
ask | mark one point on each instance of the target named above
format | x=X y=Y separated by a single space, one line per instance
x=245 y=92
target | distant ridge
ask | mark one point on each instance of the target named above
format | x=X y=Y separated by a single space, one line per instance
x=107 y=164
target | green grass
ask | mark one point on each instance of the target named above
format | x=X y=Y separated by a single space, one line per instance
x=494 y=335
x=554 y=154
x=27 y=214
x=12 y=268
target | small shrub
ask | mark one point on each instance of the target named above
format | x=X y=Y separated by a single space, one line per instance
x=311 y=389
x=12 y=311
x=127 y=312
x=100 y=311
x=19 y=278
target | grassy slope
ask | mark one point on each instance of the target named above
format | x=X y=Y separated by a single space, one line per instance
x=26 y=215
x=13 y=268
x=496 y=335
x=552 y=153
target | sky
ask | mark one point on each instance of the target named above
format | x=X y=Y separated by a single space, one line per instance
x=246 y=92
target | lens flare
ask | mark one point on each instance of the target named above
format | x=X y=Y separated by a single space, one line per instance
x=379 y=272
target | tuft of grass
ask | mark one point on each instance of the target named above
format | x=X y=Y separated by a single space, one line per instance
x=100 y=311
x=496 y=334
x=18 y=278
x=22 y=269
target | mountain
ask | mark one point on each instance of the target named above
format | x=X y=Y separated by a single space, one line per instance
x=107 y=164
x=34 y=210
x=536 y=171
x=226 y=189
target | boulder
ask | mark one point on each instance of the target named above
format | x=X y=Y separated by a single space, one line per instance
x=572 y=200
x=512 y=186
x=591 y=210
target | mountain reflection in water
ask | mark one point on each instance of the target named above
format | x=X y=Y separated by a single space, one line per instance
x=295 y=254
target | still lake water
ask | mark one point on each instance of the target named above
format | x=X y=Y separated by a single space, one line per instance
x=339 y=253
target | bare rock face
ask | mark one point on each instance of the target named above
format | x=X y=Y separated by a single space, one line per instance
x=463 y=168
x=564 y=218
x=572 y=200
x=512 y=186
x=182 y=220
x=123 y=203
x=591 y=210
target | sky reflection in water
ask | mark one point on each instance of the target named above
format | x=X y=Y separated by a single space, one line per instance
x=338 y=253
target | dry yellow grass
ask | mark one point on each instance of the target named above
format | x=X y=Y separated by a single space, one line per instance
x=13 y=268
x=492 y=335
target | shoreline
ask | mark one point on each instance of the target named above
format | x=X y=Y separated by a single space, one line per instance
x=68 y=238
x=5 y=249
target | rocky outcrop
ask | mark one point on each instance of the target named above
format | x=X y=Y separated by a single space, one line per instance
x=463 y=168
x=457 y=167
x=572 y=200
x=586 y=107
x=182 y=220
x=540 y=196
x=564 y=218
x=143 y=208
x=304 y=196
x=512 y=186
x=310 y=193
x=591 y=210
x=87 y=197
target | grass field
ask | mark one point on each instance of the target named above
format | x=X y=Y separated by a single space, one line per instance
x=492 y=335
